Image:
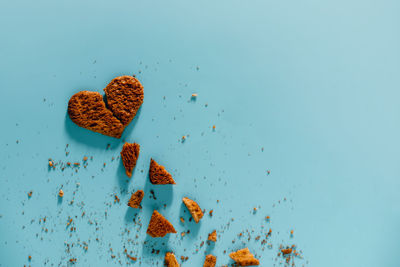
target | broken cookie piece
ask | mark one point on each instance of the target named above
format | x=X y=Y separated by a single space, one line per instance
x=129 y=156
x=159 y=226
x=170 y=260
x=210 y=261
x=88 y=110
x=194 y=209
x=158 y=174
x=136 y=199
x=213 y=236
x=124 y=97
x=243 y=257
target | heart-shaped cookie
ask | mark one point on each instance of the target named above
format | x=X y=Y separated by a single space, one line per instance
x=124 y=97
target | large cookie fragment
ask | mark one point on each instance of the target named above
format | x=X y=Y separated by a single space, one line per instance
x=170 y=260
x=136 y=199
x=88 y=110
x=244 y=257
x=124 y=97
x=158 y=174
x=194 y=209
x=210 y=261
x=212 y=236
x=129 y=155
x=159 y=226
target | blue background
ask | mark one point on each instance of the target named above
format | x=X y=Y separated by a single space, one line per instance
x=314 y=83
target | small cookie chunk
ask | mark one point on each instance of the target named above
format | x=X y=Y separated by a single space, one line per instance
x=124 y=97
x=129 y=156
x=210 y=261
x=159 y=226
x=213 y=236
x=170 y=260
x=136 y=199
x=158 y=174
x=88 y=110
x=194 y=209
x=243 y=257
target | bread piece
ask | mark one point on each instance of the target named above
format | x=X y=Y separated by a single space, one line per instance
x=213 y=236
x=194 y=209
x=136 y=199
x=158 y=174
x=124 y=97
x=129 y=156
x=243 y=257
x=88 y=110
x=170 y=260
x=210 y=261
x=159 y=226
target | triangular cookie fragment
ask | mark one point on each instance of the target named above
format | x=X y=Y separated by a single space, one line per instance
x=159 y=175
x=194 y=209
x=124 y=97
x=136 y=199
x=244 y=257
x=170 y=260
x=159 y=226
x=88 y=110
x=129 y=156
x=210 y=261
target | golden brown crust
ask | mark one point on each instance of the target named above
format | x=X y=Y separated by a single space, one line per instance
x=170 y=260
x=159 y=226
x=136 y=199
x=129 y=155
x=194 y=209
x=124 y=97
x=213 y=236
x=210 y=261
x=158 y=174
x=243 y=257
x=88 y=110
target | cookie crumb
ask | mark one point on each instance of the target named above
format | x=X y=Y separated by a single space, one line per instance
x=286 y=251
x=213 y=236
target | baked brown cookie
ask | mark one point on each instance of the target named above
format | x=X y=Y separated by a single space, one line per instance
x=158 y=174
x=129 y=156
x=124 y=97
x=136 y=199
x=194 y=209
x=88 y=110
x=210 y=261
x=159 y=226
x=244 y=257
x=170 y=260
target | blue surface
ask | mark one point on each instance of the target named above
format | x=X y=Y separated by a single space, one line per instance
x=314 y=83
